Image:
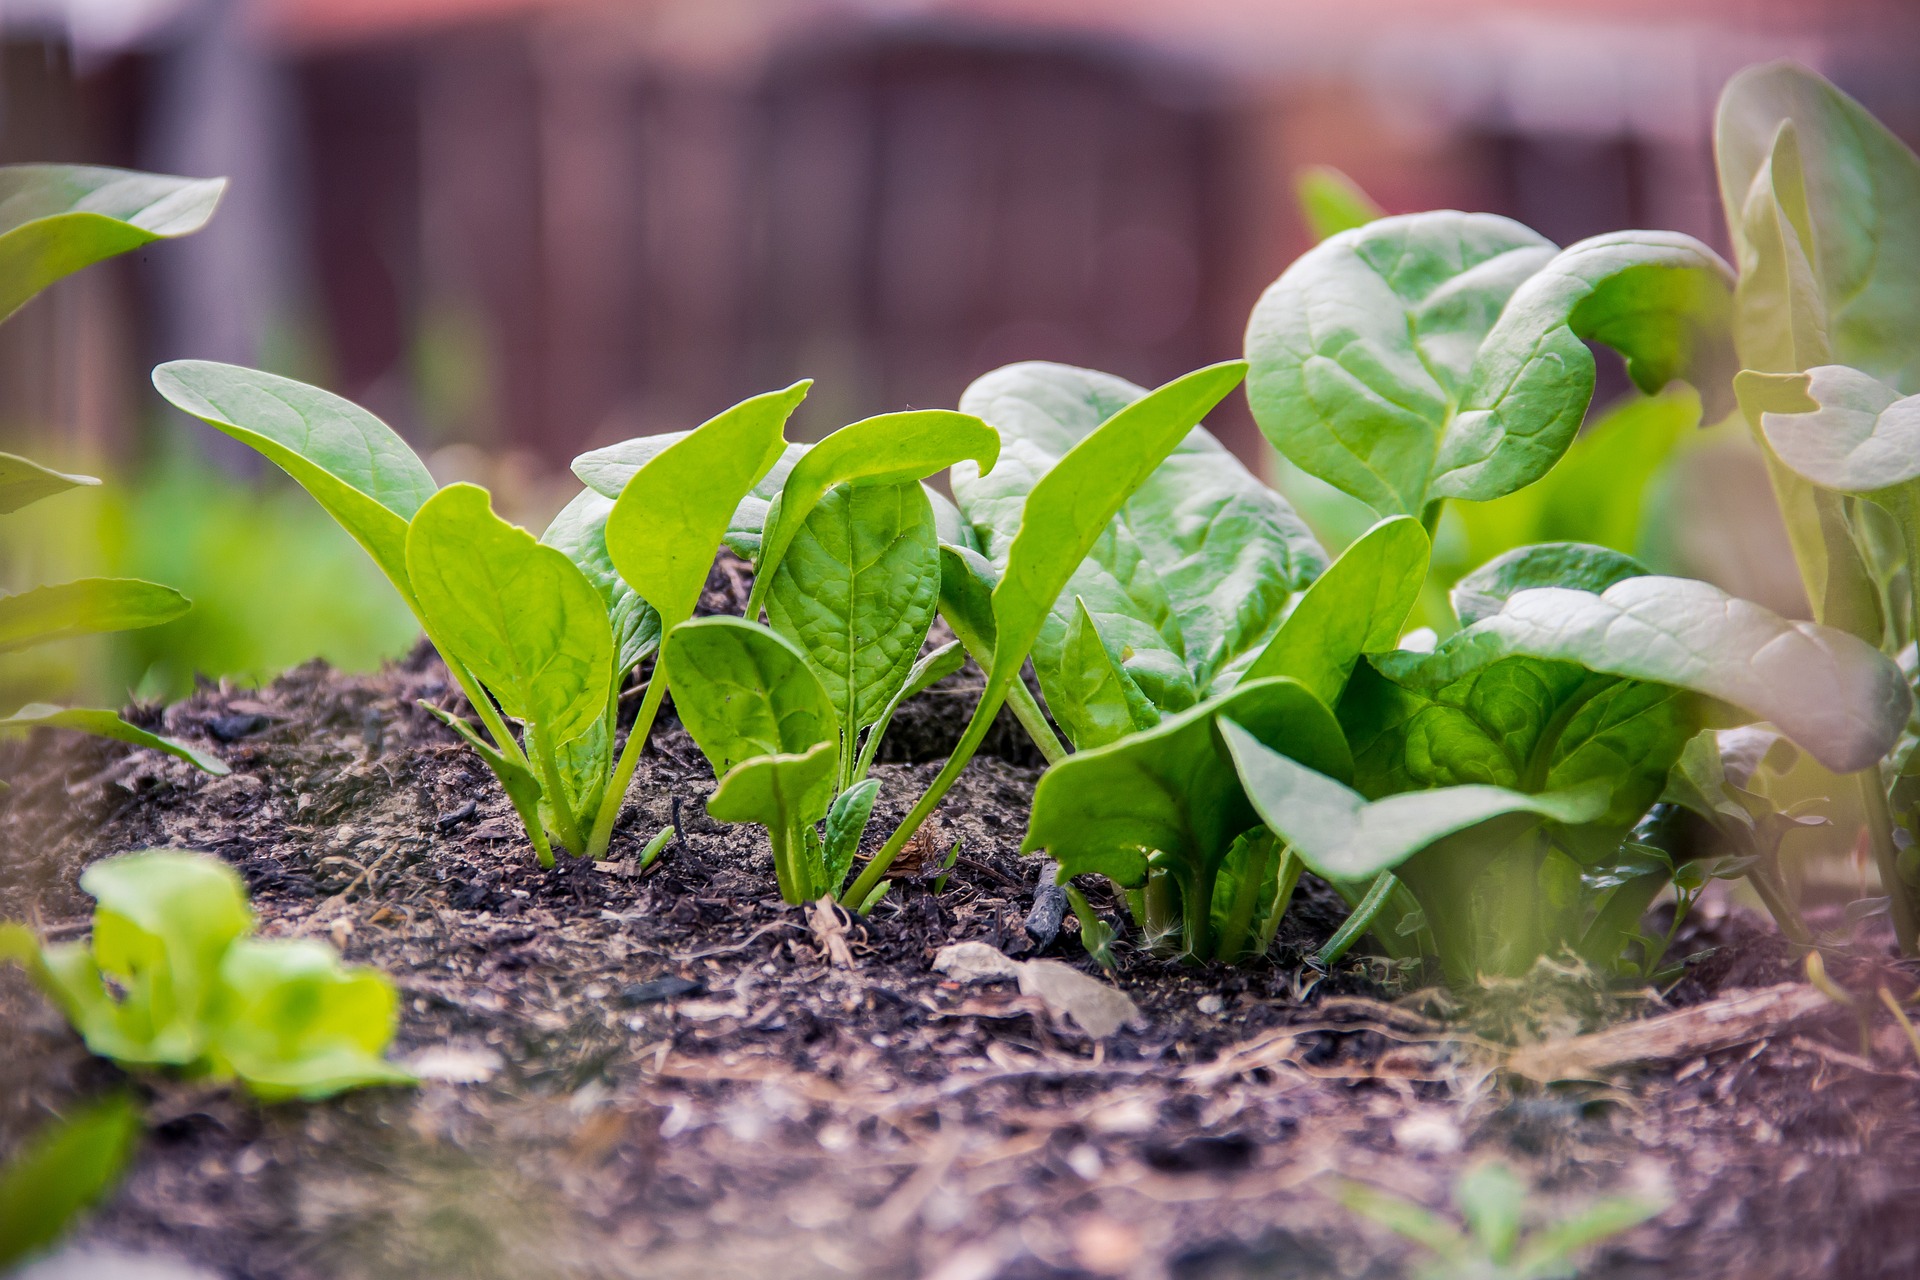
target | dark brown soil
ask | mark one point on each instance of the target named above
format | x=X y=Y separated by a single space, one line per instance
x=686 y=1086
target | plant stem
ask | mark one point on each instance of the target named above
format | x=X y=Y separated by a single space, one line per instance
x=1357 y=923
x=556 y=788
x=970 y=740
x=1887 y=858
x=1034 y=721
x=1196 y=903
x=629 y=761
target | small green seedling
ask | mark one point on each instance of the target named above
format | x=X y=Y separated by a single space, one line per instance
x=63 y=1170
x=172 y=978
x=54 y=220
x=1491 y=1240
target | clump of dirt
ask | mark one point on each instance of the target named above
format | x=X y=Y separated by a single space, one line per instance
x=667 y=1074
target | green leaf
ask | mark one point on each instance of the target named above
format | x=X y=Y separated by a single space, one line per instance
x=932 y=668
x=1861 y=195
x=1443 y=355
x=890 y=450
x=1093 y=697
x=1834 y=695
x=521 y=615
x=846 y=823
x=1661 y=299
x=24 y=482
x=1577 y=565
x=1357 y=606
x=579 y=532
x=1193 y=570
x=1342 y=835
x=108 y=724
x=517 y=780
x=1331 y=202
x=967 y=580
x=63 y=1169
x=84 y=607
x=352 y=463
x=856 y=591
x=293 y=1022
x=668 y=520
x=1364 y=346
x=1171 y=791
x=743 y=691
x=57 y=218
x=786 y=794
x=606 y=471
x=163 y=922
x=1493 y=1199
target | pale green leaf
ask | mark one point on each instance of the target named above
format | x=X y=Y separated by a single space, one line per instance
x=57 y=218
x=521 y=615
x=1860 y=436
x=606 y=471
x=580 y=533
x=107 y=724
x=1331 y=202
x=743 y=691
x=1093 y=697
x=24 y=481
x=67 y=1165
x=293 y=1022
x=86 y=606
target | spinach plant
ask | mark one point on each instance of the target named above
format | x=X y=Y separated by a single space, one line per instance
x=62 y=1170
x=54 y=220
x=1064 y=514
x=172 y=978
x=1823 y=205
x=1501 y=777
x=540 y=632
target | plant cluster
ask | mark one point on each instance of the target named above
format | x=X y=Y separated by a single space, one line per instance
x=54 y=220
x=171 y=977
x=1237 y=705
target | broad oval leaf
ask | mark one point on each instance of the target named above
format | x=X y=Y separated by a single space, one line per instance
x=1362 y=348
x=86 y=606
x=606 y=471
x=1342 y=835
x=1357 y=606
x=1194 y=570
x=1836 y=696
x=108 y=724
x=856 y=590
x=1171 y=789
x=1861 y=435
x=743 y=691
x=521 y=615
x=782 y=792
x=297 y=1023
x=891 y=449
x=1661 y=299
x=352 y=463
x=1579 y=565
x=24 y=481
x=579 y=532
x=1093 y=697
x=1861 y=202
x=668 y=520
x=57 y=218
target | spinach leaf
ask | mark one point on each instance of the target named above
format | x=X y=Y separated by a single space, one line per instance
x=846 y=823
x=1443 y=354
x=890 y=450
x=1331 y=202
x=107 y=724
x=1066 y=512
x=83 y=607
x=1095 y=698
x=579 y=532
x=743 y=691
x=856 y=591
x=63 y=1168
x=1835 y=696
x=24 y=482
x=1168 y=800
x=1857 y=210
x=57 y=218
x=352 y=463
x=1357 y=606
x=606 y=472
x=932 y=667
x=786 y=794
x=1193 y=572
x=1577 y=565
x=1342 y=835
x=296 y=1023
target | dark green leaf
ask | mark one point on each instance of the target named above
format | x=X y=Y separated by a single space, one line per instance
x=846 y=823
x=1093 y=697
x=1577 y=565
x=67 y=1166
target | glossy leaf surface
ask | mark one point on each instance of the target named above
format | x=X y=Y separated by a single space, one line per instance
x=579 y=532
x=744 y=691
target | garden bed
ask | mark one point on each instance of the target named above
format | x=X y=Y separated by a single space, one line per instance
x=668 y=1075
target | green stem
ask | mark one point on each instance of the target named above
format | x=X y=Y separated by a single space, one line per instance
x=785 y=870
x=1886 y=856
x=1034 y=721
x=629 y=761
x=508 y=745
x=1357 y=923
x=1196 y=905
x=970 y=740
x=556 y=788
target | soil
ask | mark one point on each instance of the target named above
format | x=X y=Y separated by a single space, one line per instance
x=668 y=1075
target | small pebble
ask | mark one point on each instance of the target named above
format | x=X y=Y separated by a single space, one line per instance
x=1210 y=1004
x=656 y=990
